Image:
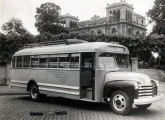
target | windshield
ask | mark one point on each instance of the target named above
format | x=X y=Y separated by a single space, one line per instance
x=111 y=61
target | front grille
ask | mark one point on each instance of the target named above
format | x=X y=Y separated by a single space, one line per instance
x=147 y=90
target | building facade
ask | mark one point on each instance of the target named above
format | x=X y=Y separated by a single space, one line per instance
x=120 y=20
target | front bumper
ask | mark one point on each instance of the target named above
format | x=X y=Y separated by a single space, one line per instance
x=143 y=101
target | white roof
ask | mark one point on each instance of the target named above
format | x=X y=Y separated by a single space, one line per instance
x=71 y=48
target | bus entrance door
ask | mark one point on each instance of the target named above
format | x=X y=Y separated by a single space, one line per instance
x=87 y=76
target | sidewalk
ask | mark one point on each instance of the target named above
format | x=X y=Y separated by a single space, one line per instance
x=6 y=90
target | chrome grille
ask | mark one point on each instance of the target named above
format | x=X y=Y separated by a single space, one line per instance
x=147 y=90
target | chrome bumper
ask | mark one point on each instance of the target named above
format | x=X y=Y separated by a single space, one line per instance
x=143 y=101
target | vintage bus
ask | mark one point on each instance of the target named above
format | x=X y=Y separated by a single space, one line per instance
x=88 y=71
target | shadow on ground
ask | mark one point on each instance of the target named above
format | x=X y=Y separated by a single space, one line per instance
x=89 y=106
x=70 y=103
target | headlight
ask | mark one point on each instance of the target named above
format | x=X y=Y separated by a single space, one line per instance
x=156 y=82
x=136 y=85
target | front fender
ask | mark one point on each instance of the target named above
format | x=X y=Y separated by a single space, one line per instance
x=126 y=86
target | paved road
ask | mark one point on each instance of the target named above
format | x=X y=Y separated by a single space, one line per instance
x=19 y=107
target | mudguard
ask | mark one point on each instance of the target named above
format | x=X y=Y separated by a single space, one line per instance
x=126 y=86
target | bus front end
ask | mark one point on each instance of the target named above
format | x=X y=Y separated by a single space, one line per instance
x=127 y=88
x=122 y=88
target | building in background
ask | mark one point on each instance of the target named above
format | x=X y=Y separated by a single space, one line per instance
x=69 y=21
x=120 y=20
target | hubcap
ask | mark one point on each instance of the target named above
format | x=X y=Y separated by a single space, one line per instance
x=34 y=92
x=119 y=102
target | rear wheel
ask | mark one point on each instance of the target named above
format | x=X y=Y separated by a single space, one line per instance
x=34 y=92
x=120 y=102
x=143 y=106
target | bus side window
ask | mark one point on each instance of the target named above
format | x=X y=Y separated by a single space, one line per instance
x=26 y=61
x=19 y=62
x=13 y=62
x=74 y=63
x=53 y=61
x=34 y=61
x=64 y=61
x=43 y=61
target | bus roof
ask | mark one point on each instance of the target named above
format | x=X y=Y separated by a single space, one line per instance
x=72 y=48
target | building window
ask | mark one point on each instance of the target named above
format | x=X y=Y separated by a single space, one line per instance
x=118 y=15
x=99 y=32
x=128 y=18
x=110 y=14
x=93 y=32
x=113 y=30
x=126 y=15
x=114 y=16
x=129 y=31
x=137 y=33
x=131 y=16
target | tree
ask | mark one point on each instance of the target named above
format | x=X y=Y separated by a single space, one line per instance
x=47 y=19
x=157 y=15
x=11 y=43
x=14 y=26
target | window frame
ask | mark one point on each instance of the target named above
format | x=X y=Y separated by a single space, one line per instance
x=75 y=55
x=37 y=62
x=46 y=62
x=17 y=62
x=29 y=61
x=13 y=59
x=66 y=61
x=32 y=61
x=53 y=56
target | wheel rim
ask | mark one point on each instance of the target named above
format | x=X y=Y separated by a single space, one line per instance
x=119 y=102
x=34 y=92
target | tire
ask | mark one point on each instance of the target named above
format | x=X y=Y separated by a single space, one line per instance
x=143 y=106
x=34 y=92
x=120 y=102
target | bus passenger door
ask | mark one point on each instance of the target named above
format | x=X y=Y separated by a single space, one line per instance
x=87 y=75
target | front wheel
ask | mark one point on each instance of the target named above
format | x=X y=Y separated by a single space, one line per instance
x=143 y=106
x=120 y=102
x=34 y=93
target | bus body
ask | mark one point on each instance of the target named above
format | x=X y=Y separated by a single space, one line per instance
x=90 y=71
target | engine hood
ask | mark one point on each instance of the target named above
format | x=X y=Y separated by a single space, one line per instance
x=142 y=78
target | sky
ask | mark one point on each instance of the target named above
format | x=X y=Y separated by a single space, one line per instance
x=25 y=10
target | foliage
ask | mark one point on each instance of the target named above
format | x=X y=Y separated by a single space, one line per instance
x=138 y=46
x=157 y=14
x=11 y=43
x=47 y=19
x=14 y=26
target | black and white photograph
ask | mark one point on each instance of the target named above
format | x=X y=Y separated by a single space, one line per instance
x=82 y=59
